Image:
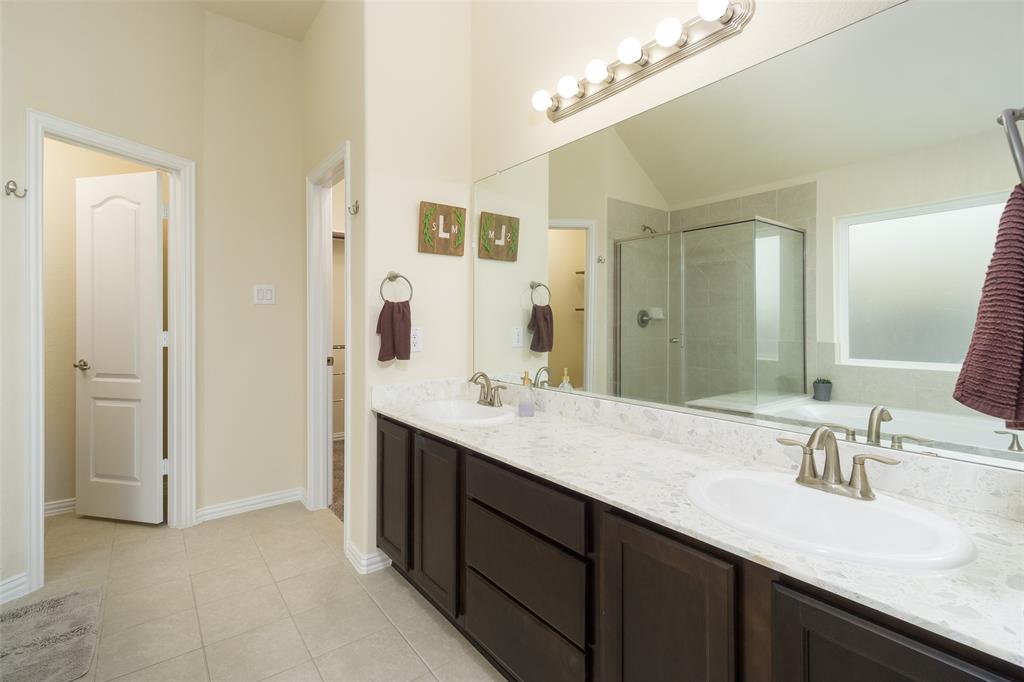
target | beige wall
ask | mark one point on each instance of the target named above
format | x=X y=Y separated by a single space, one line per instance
x=230 y=84
x=251 y=375
x=71 y=62
x=64 y=163
x=417 y=148
x=503 y=296
x=562 y=36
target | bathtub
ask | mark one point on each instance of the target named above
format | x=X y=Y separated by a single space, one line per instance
x=953 y=431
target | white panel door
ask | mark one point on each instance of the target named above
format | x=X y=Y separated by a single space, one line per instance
x=119 y=319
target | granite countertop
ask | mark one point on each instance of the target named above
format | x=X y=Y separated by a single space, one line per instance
x=980 y=605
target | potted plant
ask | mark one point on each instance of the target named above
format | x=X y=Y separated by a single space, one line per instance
x=823 y=389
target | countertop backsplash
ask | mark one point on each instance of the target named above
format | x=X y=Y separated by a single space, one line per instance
x=951 y=482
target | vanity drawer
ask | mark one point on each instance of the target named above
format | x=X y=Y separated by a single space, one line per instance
x=523 y=643
x=546 y=579
x=551 y=513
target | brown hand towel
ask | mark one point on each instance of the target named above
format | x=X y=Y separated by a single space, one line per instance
x=991 y=380
x=394 y=325
x=543 y=327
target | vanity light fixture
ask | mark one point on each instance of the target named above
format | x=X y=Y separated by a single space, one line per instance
x=674 y=41
x=542 y=101
x=597 y=72
x=569 y=87
x=669 y=33
x=632 y=52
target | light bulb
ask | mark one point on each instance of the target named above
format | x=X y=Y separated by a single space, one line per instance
x=542 y=100
x=631 y=52
x=597 y=72
x=669 y=32
x=568 y=87
x=712 y=10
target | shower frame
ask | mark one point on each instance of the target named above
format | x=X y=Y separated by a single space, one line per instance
x=617 y=246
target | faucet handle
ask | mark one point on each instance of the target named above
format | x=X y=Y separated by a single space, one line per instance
x=1015 y=445
x=859 y=475
x=898 y=438
x=849 y=432
x=496 y=396
x=808 y=470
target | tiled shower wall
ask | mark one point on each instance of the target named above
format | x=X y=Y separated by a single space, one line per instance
x=797 y=206
x=644 y=372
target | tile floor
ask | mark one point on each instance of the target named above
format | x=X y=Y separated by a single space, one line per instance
x=266 y=595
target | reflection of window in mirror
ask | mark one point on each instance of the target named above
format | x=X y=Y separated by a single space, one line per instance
x=910 y=281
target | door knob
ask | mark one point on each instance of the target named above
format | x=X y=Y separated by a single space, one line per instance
x=674 y=339
x=81 y=364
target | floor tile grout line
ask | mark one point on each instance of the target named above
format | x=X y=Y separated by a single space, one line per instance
x=399 y=630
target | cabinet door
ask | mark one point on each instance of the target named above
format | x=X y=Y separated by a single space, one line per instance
x=815 y=642
x=394 y=488
x=435 y=520
x=666 y=609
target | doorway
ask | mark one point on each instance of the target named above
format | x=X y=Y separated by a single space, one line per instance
x=337 y=429
x=180 y=339
x=328 y=292
x=104 y=282
x=570 y=251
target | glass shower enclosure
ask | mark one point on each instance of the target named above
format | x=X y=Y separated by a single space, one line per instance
x=711 y=316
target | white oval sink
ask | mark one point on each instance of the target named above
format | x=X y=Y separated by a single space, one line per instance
x=463 y=413
x=882 y=532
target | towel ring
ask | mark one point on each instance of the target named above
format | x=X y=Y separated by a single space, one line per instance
x=533 y=290
x=391 y=277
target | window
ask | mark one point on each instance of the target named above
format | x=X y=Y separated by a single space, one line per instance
x=910 y=280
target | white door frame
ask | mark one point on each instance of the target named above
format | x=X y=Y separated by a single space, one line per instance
x=181 y=354
x=319 y=314
x=590 y=296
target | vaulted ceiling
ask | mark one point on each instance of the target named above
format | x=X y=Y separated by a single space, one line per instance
x=892 y=83
x=288 y=18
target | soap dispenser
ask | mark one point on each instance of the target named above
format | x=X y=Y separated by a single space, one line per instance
x=566 y=385
x=526 y=408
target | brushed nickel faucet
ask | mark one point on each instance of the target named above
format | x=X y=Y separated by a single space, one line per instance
x=489 y=393
x=545 y=370
x=898 y=438
x=878 y=415
x=849 y=432
x=831 y=478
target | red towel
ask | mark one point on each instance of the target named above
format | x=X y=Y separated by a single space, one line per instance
x=394 y=325
x=992 y=378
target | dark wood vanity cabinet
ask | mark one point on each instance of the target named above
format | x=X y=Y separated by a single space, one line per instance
x=553 y=586
x=666 y=609
x=817 y=642
x=394 y=491
x=435 y=520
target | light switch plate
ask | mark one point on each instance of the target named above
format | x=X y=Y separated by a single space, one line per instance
x=264 y=294
x=517 y=337
x=417 y=339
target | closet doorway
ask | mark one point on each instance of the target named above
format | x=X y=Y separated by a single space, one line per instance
x=329 y=215
x=337 y=383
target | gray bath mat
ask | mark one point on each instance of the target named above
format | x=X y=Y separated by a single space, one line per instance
x=52 y=640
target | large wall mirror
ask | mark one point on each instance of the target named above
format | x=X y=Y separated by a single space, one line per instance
x=829 y=213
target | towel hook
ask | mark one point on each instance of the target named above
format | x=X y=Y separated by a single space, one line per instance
x=533 y=290
x=11 y=187
x=391 y=277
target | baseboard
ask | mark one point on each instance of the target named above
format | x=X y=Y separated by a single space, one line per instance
x=366 y=563
x=247 y=504
x=13 y=587
x=59 y=507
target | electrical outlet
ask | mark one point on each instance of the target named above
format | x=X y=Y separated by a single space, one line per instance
x=517 y=337
x=417 y=339
x=264 y=294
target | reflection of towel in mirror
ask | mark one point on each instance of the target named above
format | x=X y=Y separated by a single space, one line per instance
x=991 y=380
x=543 y=327
x=395 y=328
